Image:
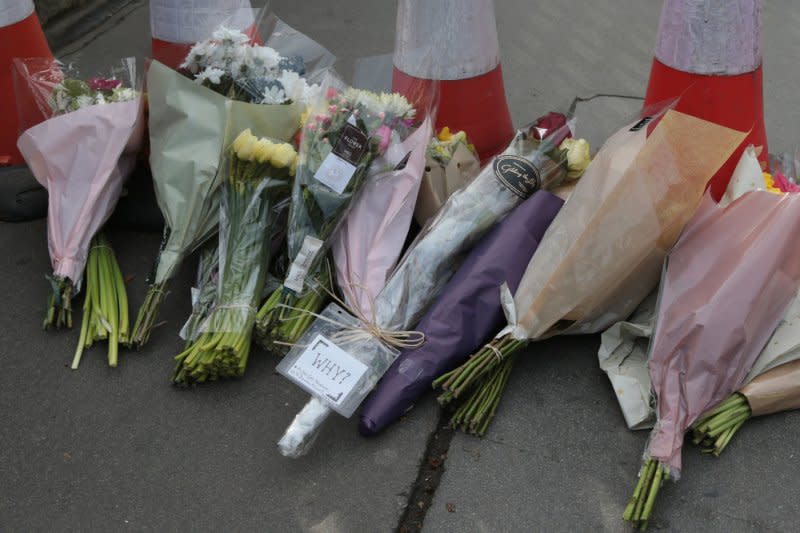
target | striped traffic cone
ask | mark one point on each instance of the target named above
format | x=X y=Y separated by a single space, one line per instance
x=455 y=42
x=175 y=25
x=708 y=53
x=20 y=36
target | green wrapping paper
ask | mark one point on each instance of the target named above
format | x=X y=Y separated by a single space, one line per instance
x=187 y=128
x=188 y=124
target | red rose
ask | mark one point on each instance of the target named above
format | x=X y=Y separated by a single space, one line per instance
x=544 y=127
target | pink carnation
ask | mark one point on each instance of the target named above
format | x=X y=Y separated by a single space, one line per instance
x=385 y=134
x=783 y=183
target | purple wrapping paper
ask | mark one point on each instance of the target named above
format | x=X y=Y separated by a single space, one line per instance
x=467 y=313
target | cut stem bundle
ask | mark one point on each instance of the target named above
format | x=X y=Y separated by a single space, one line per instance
x=478 y=410
x=640 y=507
x=59 y=305
x=105 y=305
x=714 y=431
x=463 y=378
x=148 y=313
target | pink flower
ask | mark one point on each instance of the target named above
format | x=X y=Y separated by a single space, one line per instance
x=783 y=183
x=385 y=134
x=332 y=108
x=330 y=93
x=311 y=126
x=103 y=84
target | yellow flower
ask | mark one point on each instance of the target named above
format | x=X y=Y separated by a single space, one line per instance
x=445 y=134
x=283 y=155
x=241 y=140
x=770 y=183
x=246 y=151
x=263 y=150
x=578 y=157
x=293 y=168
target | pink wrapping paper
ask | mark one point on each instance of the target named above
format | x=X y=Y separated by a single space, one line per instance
x=82 y=159
x=727 y=285
x=368 y=244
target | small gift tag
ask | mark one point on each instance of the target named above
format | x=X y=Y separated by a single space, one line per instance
x=340 y=374
x=327 y=371
x=338 y=168
x=298 y=272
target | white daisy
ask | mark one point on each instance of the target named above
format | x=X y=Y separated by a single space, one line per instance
x=273 y=95
x=229 y=36
x=213 y=75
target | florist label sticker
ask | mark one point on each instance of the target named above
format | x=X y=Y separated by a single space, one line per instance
x=298 y=272
x=327 y=371
x=518 y=174
x=338 y=168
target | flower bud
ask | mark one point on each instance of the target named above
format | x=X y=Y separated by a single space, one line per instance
x=578 y=157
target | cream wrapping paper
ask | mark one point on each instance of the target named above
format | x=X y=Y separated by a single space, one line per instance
x=82 y=158
x=774 y=391
x=604 y=251
x=440 y=181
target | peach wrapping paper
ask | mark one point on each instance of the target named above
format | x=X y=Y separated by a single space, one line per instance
x=82 y=159
x=727 y=284
x=604 y=251
x=441 y=181
x=775 y=390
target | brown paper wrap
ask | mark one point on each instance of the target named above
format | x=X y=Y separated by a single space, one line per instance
x=775 y=390
x=439 y=182
x=603 y=253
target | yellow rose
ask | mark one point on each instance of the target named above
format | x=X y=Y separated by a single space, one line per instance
x=263 y=150
x=445 y=134
x=578 y=157
x=282 y=156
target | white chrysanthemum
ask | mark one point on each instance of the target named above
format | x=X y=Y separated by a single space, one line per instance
x=263 y=60
x=60 y=100
x=213 y=75
x=397 y=105
x=274 y=95
x=197 y=57
x=99 y=99
x=229 y=36
x=367 y=99
x=297 y=89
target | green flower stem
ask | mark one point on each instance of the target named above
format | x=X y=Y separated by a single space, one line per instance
x=105 y=306
x=59 y=305
x=147 y=315
x=715 y=430
x=477 y=411
x=640 y=507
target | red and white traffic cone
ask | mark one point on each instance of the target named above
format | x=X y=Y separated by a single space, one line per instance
x=708 y=53
x=455 y=42
x=20 y=36
x=175 y=25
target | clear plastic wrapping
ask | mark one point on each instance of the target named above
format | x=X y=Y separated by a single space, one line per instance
x=371 y=356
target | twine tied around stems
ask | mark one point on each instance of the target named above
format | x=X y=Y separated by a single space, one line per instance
x=368 y=329
x=494 y=349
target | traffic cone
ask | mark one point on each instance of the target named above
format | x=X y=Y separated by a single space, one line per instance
x=175 y=25
x=708 y=53
x=455 y=42
x=21 y=36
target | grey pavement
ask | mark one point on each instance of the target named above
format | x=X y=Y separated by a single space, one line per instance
x=116 y=450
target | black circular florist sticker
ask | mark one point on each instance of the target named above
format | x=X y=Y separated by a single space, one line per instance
x=518 y=174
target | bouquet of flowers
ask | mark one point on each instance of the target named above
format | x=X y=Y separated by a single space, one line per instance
x=234 y=83
x=527 y=165
x=726 y=285
x=259 y=172
x=603 y=252
x=81 y=155
x=451 y=163
x=340 y=140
